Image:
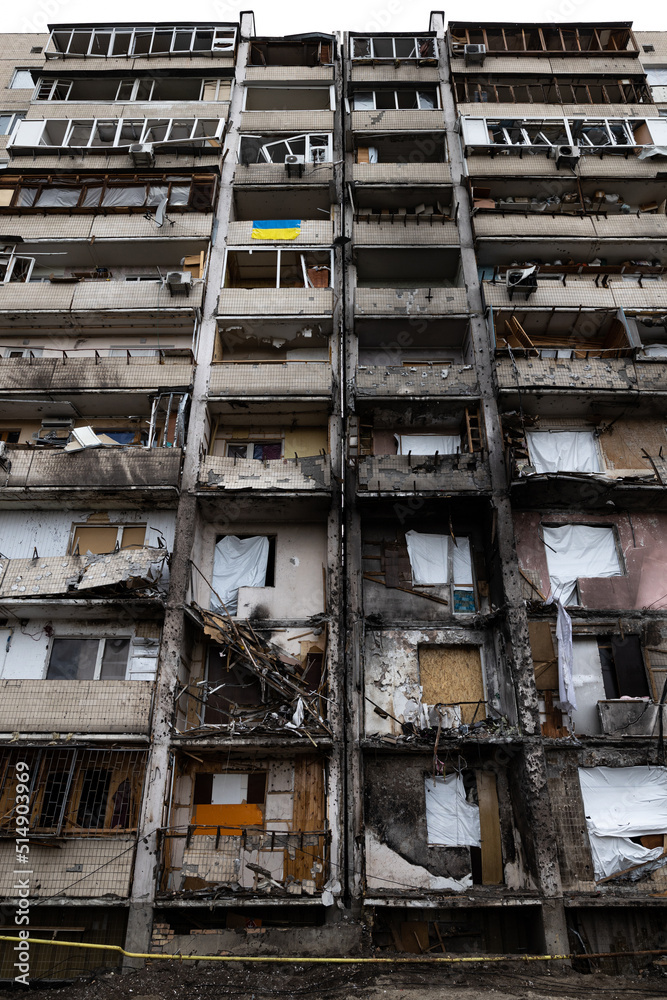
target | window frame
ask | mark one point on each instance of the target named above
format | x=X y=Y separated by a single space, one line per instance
x=393 y=38
x=418 y=91
x=120 y=531
x=14 y=118
x=144 y=127
x=99 y=656
x=221 y=42
x=13 y=85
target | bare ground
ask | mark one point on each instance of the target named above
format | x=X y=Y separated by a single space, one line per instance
x=506 y=981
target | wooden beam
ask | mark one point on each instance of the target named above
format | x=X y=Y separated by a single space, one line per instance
x=489 y=822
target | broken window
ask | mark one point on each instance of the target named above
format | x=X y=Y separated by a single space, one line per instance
x=292 y=52
x=623 y=669
x=279 y=269
x=451 y=820
x=14 y=268
x=8 y=122
x=306 y=148
x=238 y=562
x=626 y=817
x=88 y=659
x=105 y=191
x=104 y=42
x=117 y=132
x=399 y=47
x=578 y=550
x=100 y=538
x=22 y=80
x=405 y=99
x=563 y=451
x=259 y=450
x=289 y=98
x=230 y=801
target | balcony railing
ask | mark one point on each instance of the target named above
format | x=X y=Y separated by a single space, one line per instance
x=467 y=473
x=293 y=474
x=271 y=378
x=410 y=301
x=582 y=374
x=69 y=372
x=99 y=296
x=434 y=379
x=26 y=706
x=115 y=469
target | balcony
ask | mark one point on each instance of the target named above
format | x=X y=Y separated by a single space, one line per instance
x=108 y=575
x=405 y=231
x=545 y=226
x=592 y=374
x=426 y=474
x=275 y=475
x=69 y=373
x=518 y=130
x=577 y=42
x=405 y=121
x=434 y=379
x=410 y=301
x=255 y=378
x=123 y=475
x=584 y=292
x=115 y=135
x=43 y=300
x=287 y=121
x=289 y=74
x=267 y=302
x=27 y=706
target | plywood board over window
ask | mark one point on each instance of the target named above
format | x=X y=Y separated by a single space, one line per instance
x=308 y=816
x=452 y=675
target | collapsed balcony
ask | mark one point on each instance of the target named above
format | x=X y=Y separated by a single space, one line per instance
x=254 y=681
x=86 y=803
x=433 y=359
x=280 y=359
x=549 y=457
x=405 y=450
x=248 y=828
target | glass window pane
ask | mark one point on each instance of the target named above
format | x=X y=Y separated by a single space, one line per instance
x=121 y=43
x=124 y=92
x=22 y=80
x=363 y=101
x=183 y=41
x=405 y=48
x=144 y=90
x=114 y=659
x=427 y=99
x=73 y=659
x=383 y=48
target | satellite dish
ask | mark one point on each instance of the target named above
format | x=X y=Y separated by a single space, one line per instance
x=160 y=212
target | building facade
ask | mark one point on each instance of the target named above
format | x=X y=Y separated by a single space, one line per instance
x=360 y=638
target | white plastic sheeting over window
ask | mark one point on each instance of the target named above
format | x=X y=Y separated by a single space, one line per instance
x=238 y=562
x=621 y=803
x=428 y=444
x=451 y=820
x=429 y=559
x=563 y=451
x=578 y=550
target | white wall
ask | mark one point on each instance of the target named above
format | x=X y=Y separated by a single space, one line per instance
x=588 y=686
x=30 y=648
x=49 y=531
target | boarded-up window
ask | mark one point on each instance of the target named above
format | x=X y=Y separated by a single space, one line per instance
x=101 y=538
x=452 y=675
x=232 y=801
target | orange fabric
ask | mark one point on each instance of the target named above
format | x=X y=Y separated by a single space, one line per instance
x=229 y=818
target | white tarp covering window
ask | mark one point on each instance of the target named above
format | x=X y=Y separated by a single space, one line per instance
x=428 y=557
x=238 y=562
x=451 y=820
x=229 y=789
x=428 y=444
x=656 y=77
x=621 y=803
x=578 y=550
x=563 y=451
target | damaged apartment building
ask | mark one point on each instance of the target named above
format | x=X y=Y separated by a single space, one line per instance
x=333 y=489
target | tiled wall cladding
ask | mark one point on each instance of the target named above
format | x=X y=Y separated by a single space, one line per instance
x=275 y=302
x=99 y=295
x=274 y=474
x=43 y=706
x=539 y=224
x=68 y=869
x=402 y=173
x=404 y=473
x=277 y=173
x=413 y=121
x=117 y=468
x=612 y=165
x=614 y=65
x=576 y=293
x=391 y=73
x=86 y=373
x=559 y=110
x=409 y=301
x=287 y=121
x=400 y=380
x=292 y=378
x=384 y=231
x=187 y=225
x=583 y=374
x=278 y=74
x=110 y=109
x=312 y=232
x=164 y=160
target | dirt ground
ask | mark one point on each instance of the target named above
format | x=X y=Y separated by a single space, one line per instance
x=506 y=981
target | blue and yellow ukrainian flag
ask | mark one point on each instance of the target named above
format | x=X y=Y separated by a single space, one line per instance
x=276 y=229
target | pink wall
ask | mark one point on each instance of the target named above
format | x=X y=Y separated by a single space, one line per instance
x=645 y=558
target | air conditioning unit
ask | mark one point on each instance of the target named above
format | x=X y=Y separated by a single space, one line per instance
x=142 y=154
x=63 y=424
x=565 y=156
x=294 y=159
x=522 y=281
x=474 y=55
x=179 y=282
